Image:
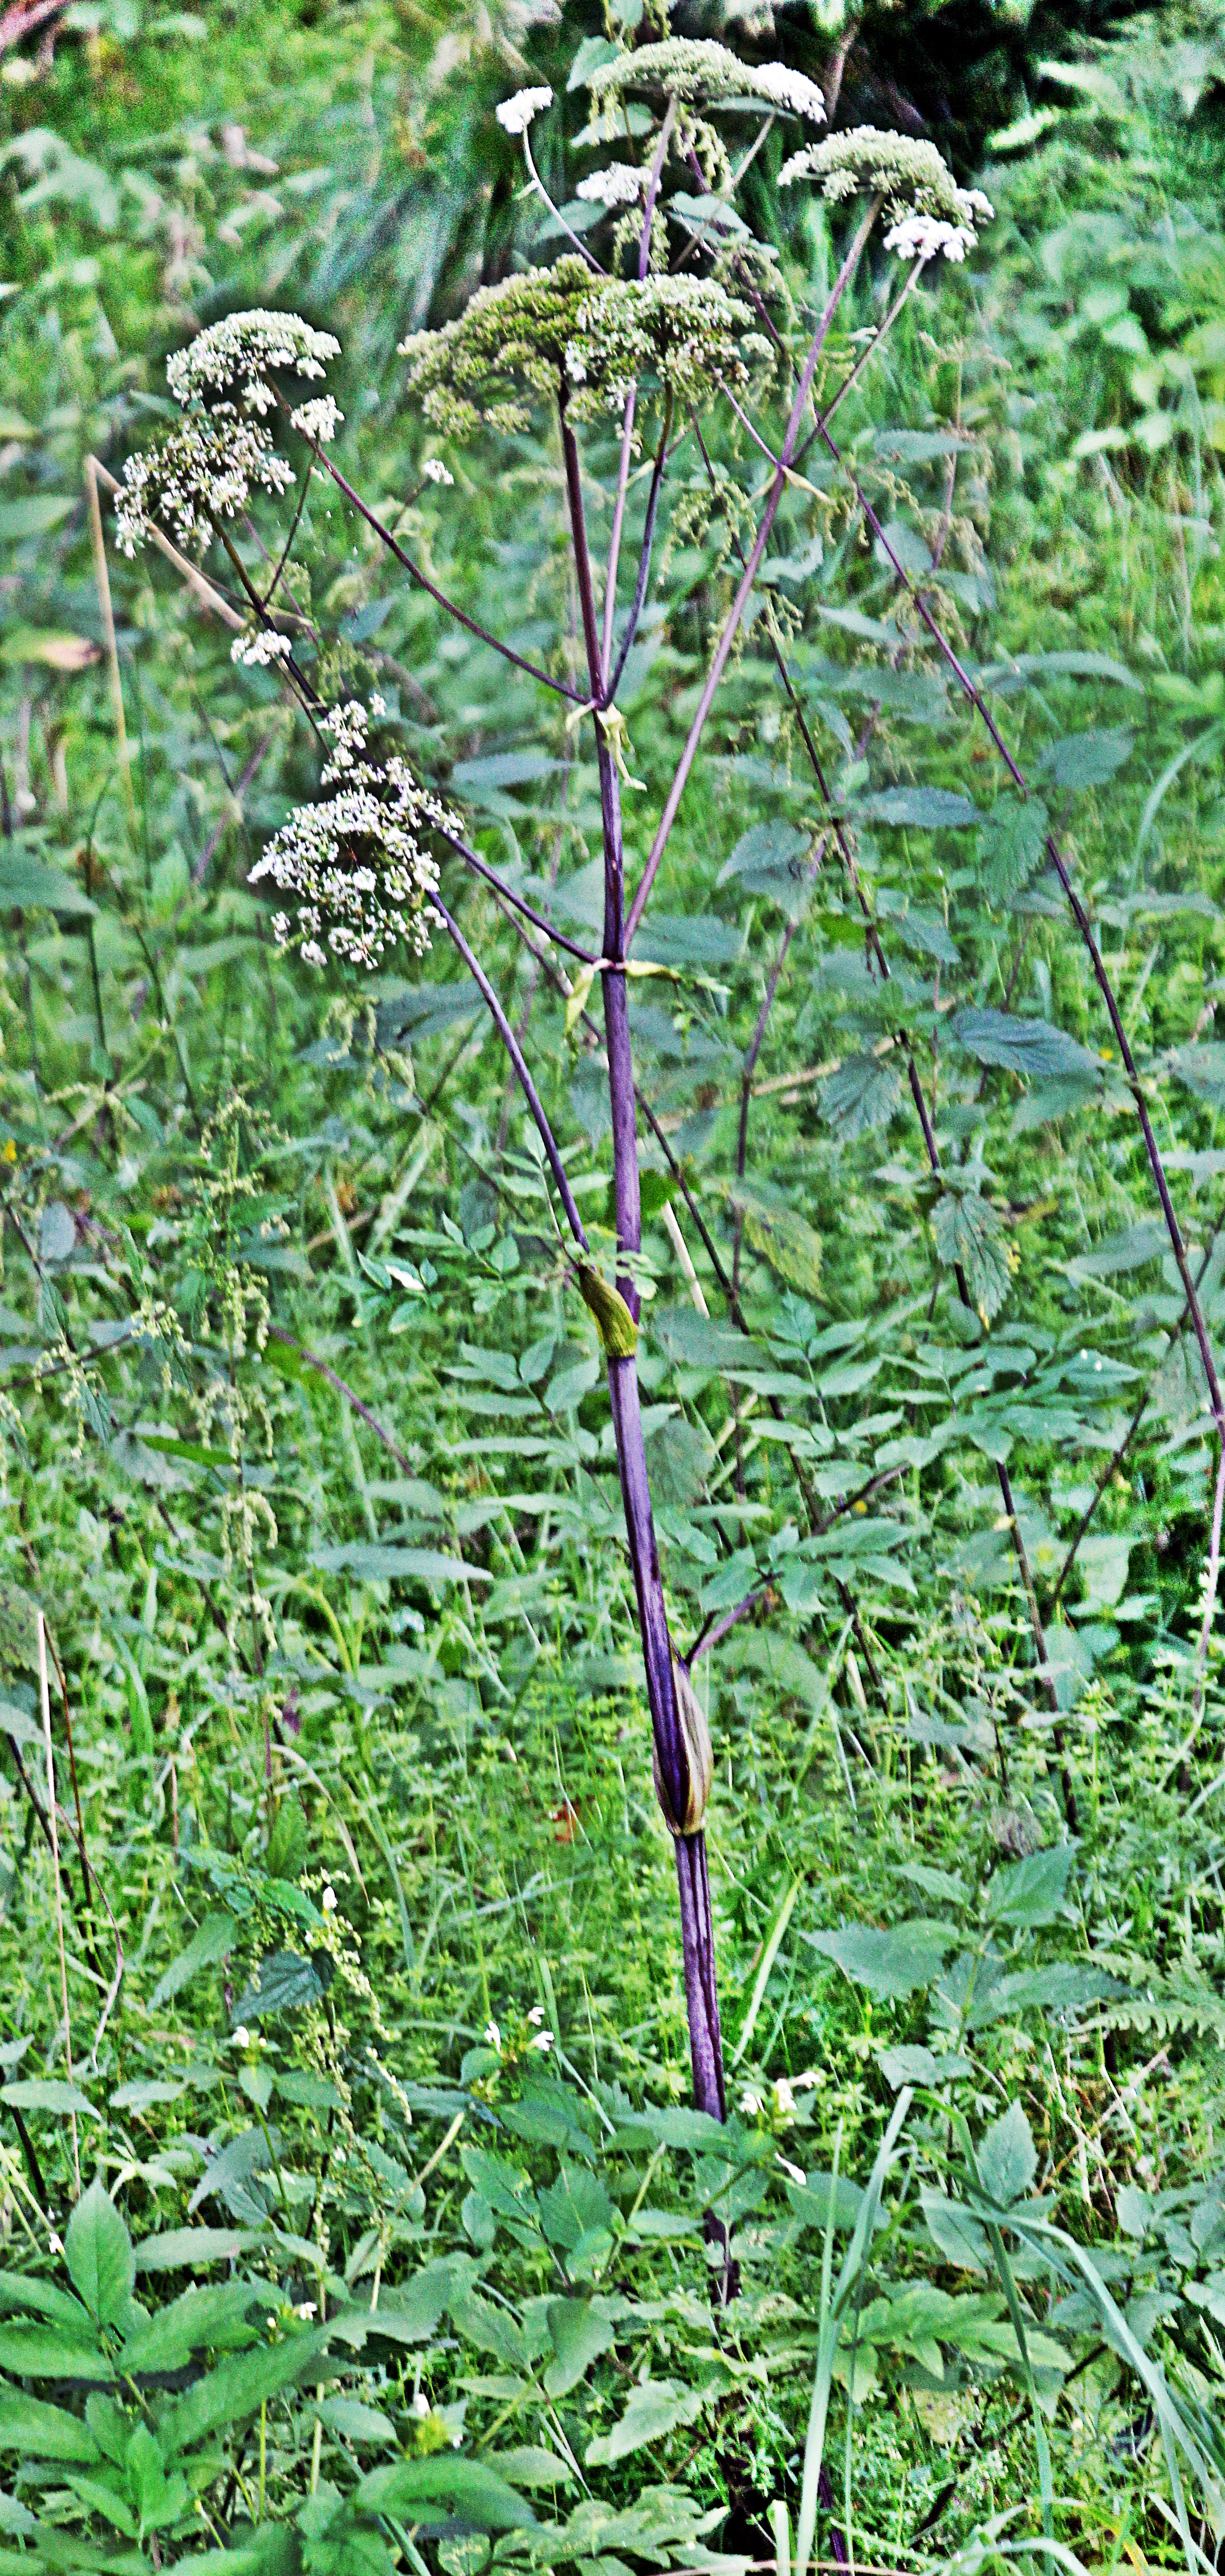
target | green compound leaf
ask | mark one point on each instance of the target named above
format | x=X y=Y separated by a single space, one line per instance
x=969 y=1235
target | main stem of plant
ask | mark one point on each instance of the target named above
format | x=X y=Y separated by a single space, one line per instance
x=692 y=1872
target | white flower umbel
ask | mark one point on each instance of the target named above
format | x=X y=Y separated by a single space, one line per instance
x=911 y=176
x=923 y=236
x=434 y=471
x=257 y=652
x=238 y=353
x=705 y=74
x=356 y=862
x=515 y=114
x=318 y=419
x=205 y=470
x=618 y=185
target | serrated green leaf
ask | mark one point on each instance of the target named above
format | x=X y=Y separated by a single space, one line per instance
x=888 y=1963
x=969 y=1234
x=1032 y=1047
x=862 y=1093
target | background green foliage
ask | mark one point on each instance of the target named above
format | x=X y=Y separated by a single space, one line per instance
x=306 y=1447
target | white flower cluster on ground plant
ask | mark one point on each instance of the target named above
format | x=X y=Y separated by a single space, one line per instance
x=356 y=862
x=618 y=185
x=207 y=468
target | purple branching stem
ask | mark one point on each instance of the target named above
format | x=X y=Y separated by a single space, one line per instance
x=515 y=1052
x=749 y=1067
x=644 y=560
x=631 y=401
x=739 y=604
x=693 y=1879
x=561 y=687
x=481 y=868
x=1085 y=927
x=864 y=359
x=708 y=1638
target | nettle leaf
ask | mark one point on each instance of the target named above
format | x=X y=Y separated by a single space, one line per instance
x=861 y=1094
x=1089 y=759
x=929 y=809
x=1201 y=1071
x=656 y=2407
x=1034 y=1048
x=970 y=1236
x=581 y=2330
x=44 y=2432
x=98 y=2252
x=770 y=858
x=1012 y=845
x=465 y=2489
x=1007 y=2157
x=283 y=1982
x=783 y=1237
x=961 y=2238
x=212 y=1943
x=1030 y=1892
x=888 y=1963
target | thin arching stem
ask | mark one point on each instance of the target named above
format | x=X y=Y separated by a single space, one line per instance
x=740 y=603
x=627 y=432
x=481 y=868
x=515 y=1052
x=1085 y=927
x=644 y=559
x=557 y=215
x=561 y=688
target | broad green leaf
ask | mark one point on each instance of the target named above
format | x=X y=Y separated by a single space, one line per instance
x=43 y=2432
x=969 y=1233
x=783 y=1237
x=1007 y=2157
x=768 y=859
x=656 y=2407
x=214 y=2318
x=363 y=2424
x=1086 y=759
x=46 y=2352
x=234 y=2392
x=374 y=1564
x=282 y=1982
x=1031 y=1891
x=930 y=809
x=50 y=2093
x=1012 y=844
x=1031 y=1047
x=33 y=516
x=466 y=2490
x=1201 y=1070
x=188 y=2249
x=98 y=2253
x=862 y=1093
x=581 y=2330
x=888 y=1963
x=960 y=2237
x=207 y=1947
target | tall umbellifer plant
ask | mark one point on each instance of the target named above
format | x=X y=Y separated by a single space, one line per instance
x=672 y=323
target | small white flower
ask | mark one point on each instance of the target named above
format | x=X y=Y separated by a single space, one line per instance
x=543 y=2040
x=783 y=2103
x=378 y=705
x=328 y=1900
x=257 y=652
x=794 y=2173
x=421 y=2405
x=923 y=237
x=515 y=114
x=435 y=471
x=493 y=2036
x=318 y=419
x=55 y=2244
x=616 y=186
x=751 y=2103
x=807 y=2082
x=305 y=2310
x=536 y=2016
x=241 y=2038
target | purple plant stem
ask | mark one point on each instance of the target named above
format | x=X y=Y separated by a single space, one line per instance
x=561 y=687
x=1085 y=927
x=644 y=562
x=692 y=1873
x=481 y=868
x=515 y=1052
x=631 y=400
x=777 y=488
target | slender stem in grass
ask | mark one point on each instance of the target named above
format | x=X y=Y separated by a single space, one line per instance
x=59 y=1896
x=731 y=628
x=644 y=559
x=1084 y=926
x=515 y=1052
x=627 y=433
x=481 y=868
x=561 y=688
x=107 y=615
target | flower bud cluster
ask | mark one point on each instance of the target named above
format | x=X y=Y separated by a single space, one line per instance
x=515 y=114
x=207 y=468
x=356 y=862
x=911 y=175
x=699 y=72
x=592 y=338
x=619 y=185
